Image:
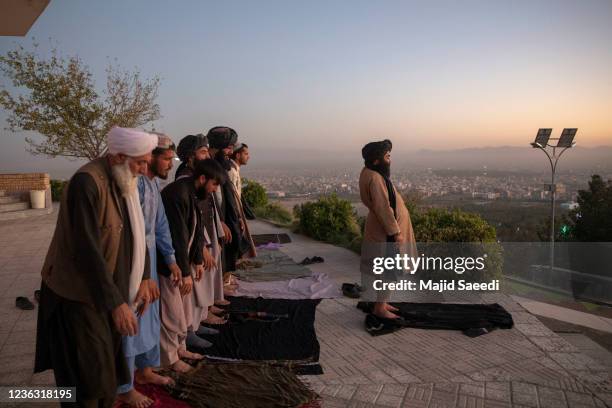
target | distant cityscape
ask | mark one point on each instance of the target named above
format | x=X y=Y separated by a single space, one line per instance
x=428 y=184
x=515 y=203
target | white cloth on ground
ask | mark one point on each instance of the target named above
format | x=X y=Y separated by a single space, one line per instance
x=317 y=286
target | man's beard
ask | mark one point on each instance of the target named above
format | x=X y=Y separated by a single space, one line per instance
x=156 y=172
x=124 y=178
x=223 y=160
x=382 y=167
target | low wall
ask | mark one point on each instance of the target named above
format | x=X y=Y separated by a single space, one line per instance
x=24 y=182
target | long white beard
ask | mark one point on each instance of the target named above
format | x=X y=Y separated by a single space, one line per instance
x=124 y=178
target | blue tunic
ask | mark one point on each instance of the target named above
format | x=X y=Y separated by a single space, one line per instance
x=158 y=238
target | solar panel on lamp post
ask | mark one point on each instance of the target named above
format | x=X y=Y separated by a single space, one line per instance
x=564 y=142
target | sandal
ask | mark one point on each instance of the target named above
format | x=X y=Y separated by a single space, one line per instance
x=351 y=290
x=24 y=303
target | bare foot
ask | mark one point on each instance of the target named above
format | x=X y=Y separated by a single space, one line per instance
x=229 y=290
x=148 y=376
x=216 y=310
x=134 y=399
x=181 y=367
x=214 y=319
x=222 y=302
x=381 y=310
x=391 y=308
x=189 y=355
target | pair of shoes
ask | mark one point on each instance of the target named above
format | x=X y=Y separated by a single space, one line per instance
x=313 y=260
x=24 y=303
x=352 y=290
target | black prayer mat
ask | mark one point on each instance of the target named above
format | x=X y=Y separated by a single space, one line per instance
x=278 y=331
x=472 y=319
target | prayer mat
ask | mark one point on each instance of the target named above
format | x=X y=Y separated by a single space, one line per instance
x=317 y=286
x=278 y=330
x=275 y=266
x=472 y=319
x=262 y=239
x=245 y=385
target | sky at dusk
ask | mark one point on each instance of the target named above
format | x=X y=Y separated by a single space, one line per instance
x=332 y=75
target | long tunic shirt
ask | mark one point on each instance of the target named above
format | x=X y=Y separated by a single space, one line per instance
x=66 y=328
x=158 y=238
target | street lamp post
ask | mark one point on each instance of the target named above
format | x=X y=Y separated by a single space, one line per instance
x=564 y=142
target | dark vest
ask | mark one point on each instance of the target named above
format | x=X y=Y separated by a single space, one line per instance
x=59 y=270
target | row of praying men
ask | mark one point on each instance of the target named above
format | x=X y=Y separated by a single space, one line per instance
x=135 y=273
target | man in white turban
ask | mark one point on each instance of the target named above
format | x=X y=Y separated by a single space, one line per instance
x=95 y=273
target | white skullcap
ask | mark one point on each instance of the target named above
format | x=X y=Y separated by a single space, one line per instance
x=131 y=142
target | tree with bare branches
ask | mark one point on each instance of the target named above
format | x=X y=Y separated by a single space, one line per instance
x=57 y=98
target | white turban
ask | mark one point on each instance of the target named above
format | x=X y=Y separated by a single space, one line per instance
x=131 y=142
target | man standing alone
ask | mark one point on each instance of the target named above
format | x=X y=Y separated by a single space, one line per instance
x=388 y=220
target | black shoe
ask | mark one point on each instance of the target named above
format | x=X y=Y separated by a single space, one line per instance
x=24 y=303
x=351 y=290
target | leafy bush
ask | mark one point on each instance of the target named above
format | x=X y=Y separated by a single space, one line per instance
x=57 y=189
x=330 y=219
x=254 y=194
x=470 y=235
x=274 y=212
x=438 y=225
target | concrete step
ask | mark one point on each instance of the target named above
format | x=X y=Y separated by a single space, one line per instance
x=14 y=207
x=9 y=199
x=16 y=215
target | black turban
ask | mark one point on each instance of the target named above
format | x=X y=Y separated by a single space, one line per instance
x=376 y=150
x=221 y=137
x=189 y=144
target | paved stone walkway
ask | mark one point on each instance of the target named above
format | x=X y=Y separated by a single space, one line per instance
x=528 y=366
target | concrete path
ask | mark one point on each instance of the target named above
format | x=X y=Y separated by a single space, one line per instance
x=528 y=366
x=565 y=315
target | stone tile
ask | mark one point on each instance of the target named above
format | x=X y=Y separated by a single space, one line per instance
x=524 y=394
x=397 y=390
x=476 y=390
x=16 y=350
x=367 y=393
x=45 y=378
x=15 y=376
x=469 y=401
x=575 y=399
x=12 y=364
x=498 y=391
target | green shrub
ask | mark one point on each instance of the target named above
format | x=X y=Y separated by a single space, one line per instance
x=469 y=235
x=274 y=212
x=57 y=189
x=254 y=194
x=438 y=225
x=330 y=219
